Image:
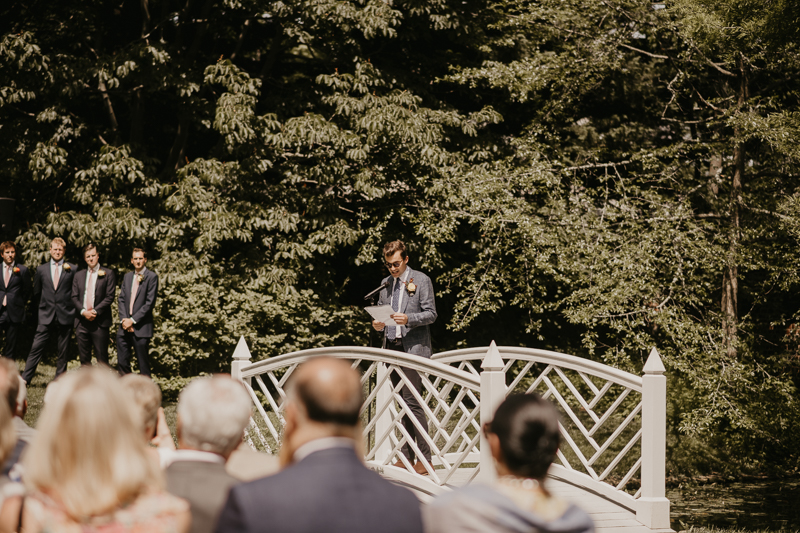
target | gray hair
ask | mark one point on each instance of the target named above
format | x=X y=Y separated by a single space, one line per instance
x=213 y=412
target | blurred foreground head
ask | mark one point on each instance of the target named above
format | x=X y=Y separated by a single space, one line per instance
x=89 y=451
x=146 y=398
x=524 y=436
x=323 y=399
x=212 y=415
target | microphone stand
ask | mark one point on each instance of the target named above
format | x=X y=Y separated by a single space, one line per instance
x=373 y=298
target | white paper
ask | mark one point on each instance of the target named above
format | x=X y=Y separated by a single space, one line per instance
x=382 y=313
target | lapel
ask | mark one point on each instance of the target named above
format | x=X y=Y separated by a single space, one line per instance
x=405 y=292
x=49 y=267
x=139 y=291
x=98 y=281
x=3 y=274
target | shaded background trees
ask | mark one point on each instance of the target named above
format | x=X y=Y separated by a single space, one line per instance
x=591 y=177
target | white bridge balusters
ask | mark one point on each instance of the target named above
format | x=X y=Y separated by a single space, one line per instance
x=613 y=428
x=653 y=507
x=493 y=392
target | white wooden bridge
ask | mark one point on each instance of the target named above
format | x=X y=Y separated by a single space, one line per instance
x=612 y=458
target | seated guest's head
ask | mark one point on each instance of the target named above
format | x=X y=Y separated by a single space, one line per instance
x=22 y=399
x=147 y=399
x=9 y=383
x=524 y=436
x=212 y=415
x=8 y=435
x=323 y=399
x=88 y=453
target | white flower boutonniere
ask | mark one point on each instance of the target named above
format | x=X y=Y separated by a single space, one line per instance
x=410 y=287
x=101 y=273
x=67 y=268
x=140 y=278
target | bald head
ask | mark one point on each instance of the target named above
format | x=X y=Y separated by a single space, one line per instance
x=328 y=390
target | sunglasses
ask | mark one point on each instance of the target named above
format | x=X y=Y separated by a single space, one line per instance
x=396 y=264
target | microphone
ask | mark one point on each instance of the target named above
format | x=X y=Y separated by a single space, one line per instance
x=379 y=289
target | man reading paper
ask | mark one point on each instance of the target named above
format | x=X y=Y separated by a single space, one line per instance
x=411 y=296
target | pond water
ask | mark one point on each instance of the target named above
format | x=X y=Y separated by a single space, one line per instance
x=772 y=505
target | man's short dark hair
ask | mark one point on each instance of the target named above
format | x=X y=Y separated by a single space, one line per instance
x=327 y=410
x=6 y=245
x=391 y=248
x=139 y=250
x=90 y=246
x=9 y=387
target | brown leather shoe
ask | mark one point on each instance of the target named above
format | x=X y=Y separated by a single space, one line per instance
x=419 y=468
x=398 y=464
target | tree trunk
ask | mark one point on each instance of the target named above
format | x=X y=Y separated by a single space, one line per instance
x=730 y=281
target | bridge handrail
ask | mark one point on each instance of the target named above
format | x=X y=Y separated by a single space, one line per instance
x=420 y=364
x=579 y=364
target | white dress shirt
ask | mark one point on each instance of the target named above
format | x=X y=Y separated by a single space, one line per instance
x=89 y=273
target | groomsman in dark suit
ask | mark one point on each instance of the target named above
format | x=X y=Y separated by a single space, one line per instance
x=15 y=289
x=52 y=288
x=92 y=295
x=137 y=297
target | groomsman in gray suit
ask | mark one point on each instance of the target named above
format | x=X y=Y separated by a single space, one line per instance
x=93 y=293
x=411 y=297
x=52 y=288
x=137 y=297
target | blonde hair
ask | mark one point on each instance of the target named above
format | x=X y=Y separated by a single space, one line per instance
x=146 y=397
x=59 y=241
x=8 y=435
x=88 y=452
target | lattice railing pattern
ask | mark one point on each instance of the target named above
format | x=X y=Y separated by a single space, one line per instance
x=601 y=409
x=450 y=399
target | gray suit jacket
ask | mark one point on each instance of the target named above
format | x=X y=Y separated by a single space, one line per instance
x=421 y=310
x=329 y=491
x=205 y=486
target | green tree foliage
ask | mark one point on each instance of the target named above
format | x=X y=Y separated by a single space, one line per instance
x=594 y=177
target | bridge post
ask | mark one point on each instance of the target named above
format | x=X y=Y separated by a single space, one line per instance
x=241 y=359
x=384 y=421
x=493 y=392
x=653 y=507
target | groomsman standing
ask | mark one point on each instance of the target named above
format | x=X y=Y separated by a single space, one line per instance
x=15 y=289
x=52 y=287
x=92 y=295
x=136 y=300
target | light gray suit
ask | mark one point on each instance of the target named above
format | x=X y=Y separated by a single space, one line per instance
x=420 y=307
x=421 y=310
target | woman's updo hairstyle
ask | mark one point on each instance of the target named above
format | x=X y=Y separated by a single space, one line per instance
x=527 y=427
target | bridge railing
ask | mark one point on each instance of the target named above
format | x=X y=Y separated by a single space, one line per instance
x=613 y=422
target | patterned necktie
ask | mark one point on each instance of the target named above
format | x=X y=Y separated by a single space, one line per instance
x=6 y=277
x=134 y=291
x=90 y=291
x=391 y=333
x=56 y=276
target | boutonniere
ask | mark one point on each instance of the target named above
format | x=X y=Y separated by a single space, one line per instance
x=140 y=278
x=410 y=287
x=67 y=268
x=16 y=270
x=101 y=273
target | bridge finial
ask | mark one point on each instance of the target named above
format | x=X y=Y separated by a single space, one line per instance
x=242 y=352
x=654 y=364
x=493 y=361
